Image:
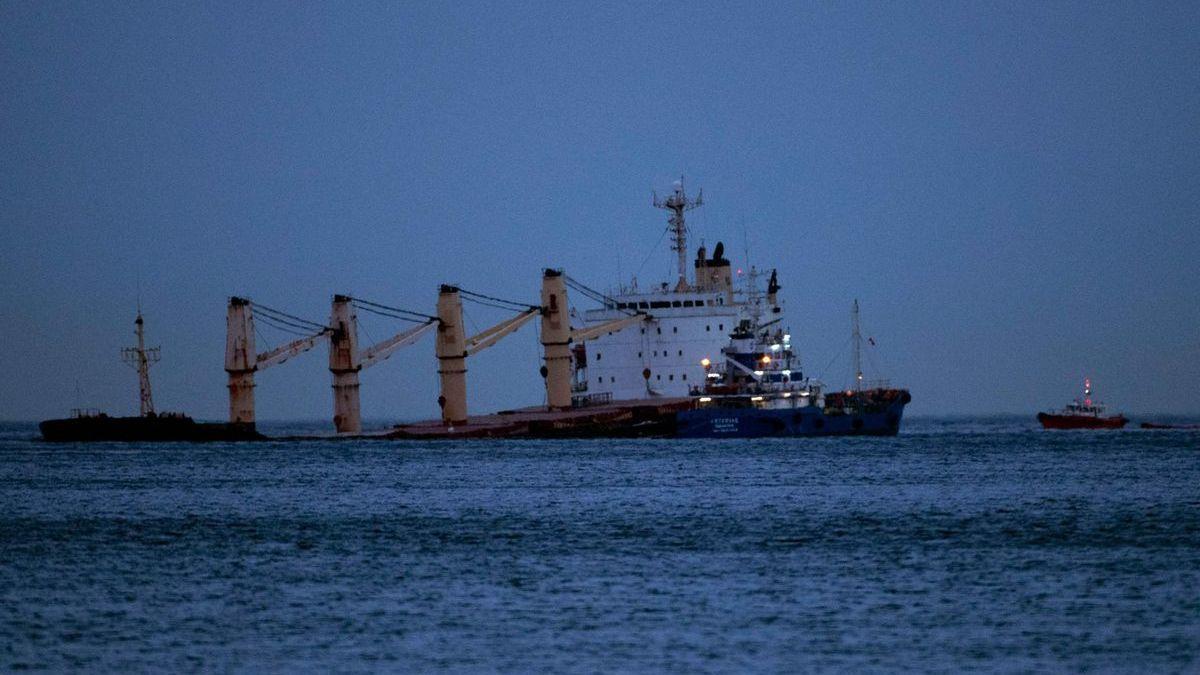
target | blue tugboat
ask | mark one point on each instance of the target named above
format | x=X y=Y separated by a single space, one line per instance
x=759 y=390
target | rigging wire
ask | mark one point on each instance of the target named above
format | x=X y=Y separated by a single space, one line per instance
x=390 y=315
x=591 y=293
x=284 y=324
x=259 y=333
x=479 y=297
x=364 y=304
x=651 y=253
x=283 y=327
x=284 y=315
x=363 y=326
x=523 y=308
x=836 y=355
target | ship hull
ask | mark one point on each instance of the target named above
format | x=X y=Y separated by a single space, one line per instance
x=718 y=422
x=165 y=428
x=1051 y=421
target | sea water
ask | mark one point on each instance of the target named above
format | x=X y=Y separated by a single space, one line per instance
x=960 y=544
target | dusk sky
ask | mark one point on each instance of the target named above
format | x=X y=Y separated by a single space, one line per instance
x=1011 y=190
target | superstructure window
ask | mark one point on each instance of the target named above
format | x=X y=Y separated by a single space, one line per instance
x=671 y=377
x=683 y=377
x=660 y=330
x=689 y=303
x=674 y=329
x=681 y=352
x=720 y=326
x=644 y=305
x=676 y=303
x=707 y=328
x=598 y=355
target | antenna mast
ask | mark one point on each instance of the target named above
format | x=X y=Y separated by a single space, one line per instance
x=677 y=203
x=858 y=374
x=140 y=358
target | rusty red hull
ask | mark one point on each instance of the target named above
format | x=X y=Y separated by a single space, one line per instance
x=1050 y=421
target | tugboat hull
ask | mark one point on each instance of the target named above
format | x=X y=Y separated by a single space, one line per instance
x=787 y=422
x=1051 y=421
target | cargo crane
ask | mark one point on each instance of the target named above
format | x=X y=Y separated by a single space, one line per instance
x=346 y=360
x=557 y=334
x=242 y=360
x=453 y=346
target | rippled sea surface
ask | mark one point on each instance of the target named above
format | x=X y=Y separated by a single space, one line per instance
x=961 y=544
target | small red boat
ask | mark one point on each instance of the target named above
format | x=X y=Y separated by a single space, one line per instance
x=1082 y=414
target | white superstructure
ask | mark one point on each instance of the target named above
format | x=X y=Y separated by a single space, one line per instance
x=691 y=322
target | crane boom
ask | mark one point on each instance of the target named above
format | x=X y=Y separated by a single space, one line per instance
x=491 y=336
x=733 y=362
x=582 y=334
x=285 y=352
x=378 y=352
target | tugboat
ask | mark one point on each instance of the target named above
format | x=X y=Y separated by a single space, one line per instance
x=1084 y=414
x=759 y=390
x=94 y=426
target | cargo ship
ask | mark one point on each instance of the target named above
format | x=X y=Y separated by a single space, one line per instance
x=1082 y=414
x=724 y=348
x=150 y=426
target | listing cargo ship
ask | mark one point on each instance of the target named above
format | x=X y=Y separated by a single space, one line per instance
x=723 y=349
x=1082 y=414
x=150 y=426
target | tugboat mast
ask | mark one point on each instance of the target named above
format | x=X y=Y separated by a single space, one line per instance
x=677 y=203
x=858 y=374
x=140 y=358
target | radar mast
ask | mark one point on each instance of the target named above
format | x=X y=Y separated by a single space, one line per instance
x=140 y=358
x=677 y=203
x=857 y=337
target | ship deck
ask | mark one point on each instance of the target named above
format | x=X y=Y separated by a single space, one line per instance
x=648 y=417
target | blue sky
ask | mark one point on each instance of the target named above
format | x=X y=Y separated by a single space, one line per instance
x=1011 y=190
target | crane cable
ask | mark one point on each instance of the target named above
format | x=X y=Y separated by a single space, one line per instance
x=481 y=299
x=392 y=312
x=289 y=319
x=595 y=295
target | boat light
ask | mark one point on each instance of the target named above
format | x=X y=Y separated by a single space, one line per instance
x=758 y=373
x=705 y=399
x=755 y=398
x=787 y=394
x=774 y=348
x=705 y=362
